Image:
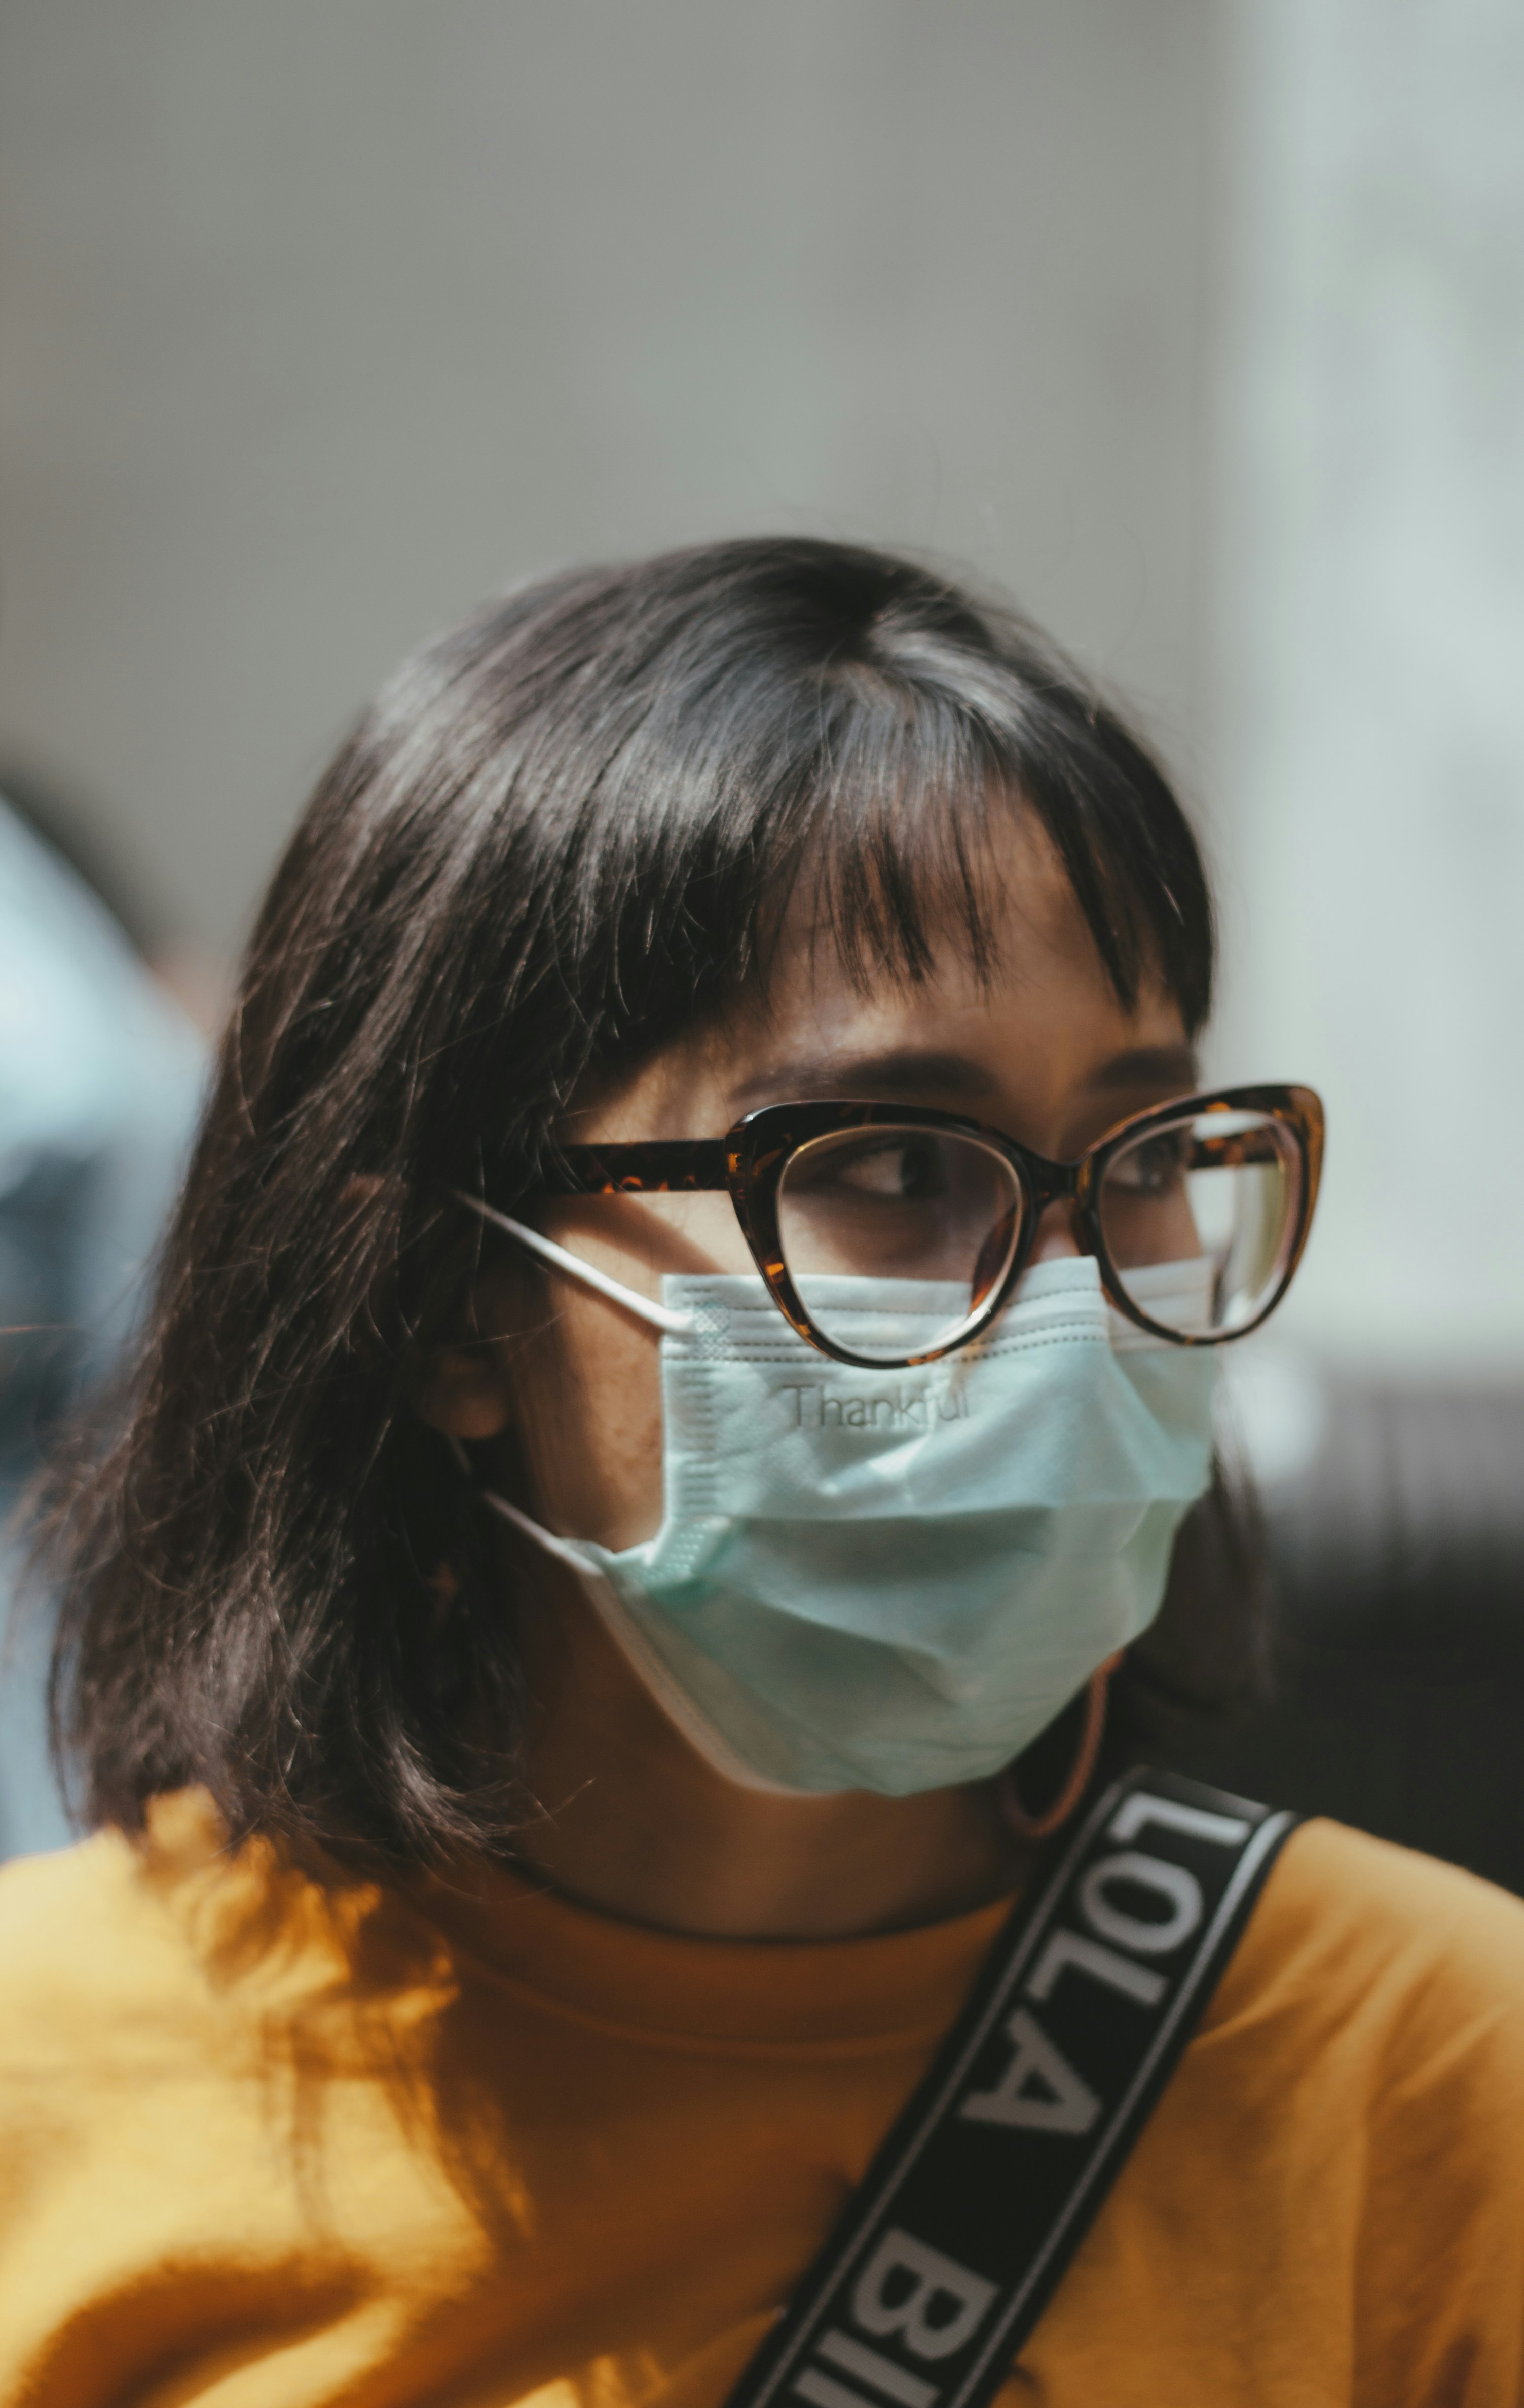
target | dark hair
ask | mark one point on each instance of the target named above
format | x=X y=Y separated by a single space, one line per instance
x=561 y=833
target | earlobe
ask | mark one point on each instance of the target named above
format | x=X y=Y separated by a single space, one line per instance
x=463 y=1392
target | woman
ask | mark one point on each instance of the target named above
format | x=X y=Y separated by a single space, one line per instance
x=549 y=1642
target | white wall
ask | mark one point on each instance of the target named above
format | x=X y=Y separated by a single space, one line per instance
x=319 y=318
x=1371 y=663
x=323 y=317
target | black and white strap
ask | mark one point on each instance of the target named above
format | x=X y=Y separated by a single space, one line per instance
x=958 y=2234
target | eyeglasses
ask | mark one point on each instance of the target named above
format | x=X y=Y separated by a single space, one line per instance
x=1196 y=1213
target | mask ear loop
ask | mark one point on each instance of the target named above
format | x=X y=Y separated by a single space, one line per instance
x=1042 y=1826
x=660 y=1316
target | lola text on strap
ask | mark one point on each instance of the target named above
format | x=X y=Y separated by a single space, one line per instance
x=958 y=2234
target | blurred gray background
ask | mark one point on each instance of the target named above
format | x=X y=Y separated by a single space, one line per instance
x=1198 y=323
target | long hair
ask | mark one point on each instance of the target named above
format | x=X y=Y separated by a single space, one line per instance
x=560 y=834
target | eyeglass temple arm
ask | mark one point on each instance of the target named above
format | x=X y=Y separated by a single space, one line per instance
x=660 y=1317
x=650 y=1166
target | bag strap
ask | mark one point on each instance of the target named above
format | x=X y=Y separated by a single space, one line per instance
x=958 y=2234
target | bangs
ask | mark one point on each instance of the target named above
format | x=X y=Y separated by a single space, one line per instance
x=908 y=819
x=869 y=781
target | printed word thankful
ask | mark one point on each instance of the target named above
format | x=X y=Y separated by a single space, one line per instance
x=810 y=1406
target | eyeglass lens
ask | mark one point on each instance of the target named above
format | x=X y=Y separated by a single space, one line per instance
x=1198 y=1216
x=939 y=1213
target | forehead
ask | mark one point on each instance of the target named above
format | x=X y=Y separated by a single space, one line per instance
x=1031 y=1037
x=1038 y=962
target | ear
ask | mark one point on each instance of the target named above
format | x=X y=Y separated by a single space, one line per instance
x=465 y=1391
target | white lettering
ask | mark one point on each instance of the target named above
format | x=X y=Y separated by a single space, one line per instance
x=1172 y=1882
x=821 y=2392
x=1102 y=1964
x=1063 y=2103
x=919 y=2318
x=1136 y=1812
x=869 y=2366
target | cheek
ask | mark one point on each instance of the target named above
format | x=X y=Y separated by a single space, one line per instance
x=588 y=1393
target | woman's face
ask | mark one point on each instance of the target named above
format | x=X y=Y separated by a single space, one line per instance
x=1038 y=1047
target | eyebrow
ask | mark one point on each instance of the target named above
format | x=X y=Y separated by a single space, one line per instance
x=906 y=1072
x=1148 y=1066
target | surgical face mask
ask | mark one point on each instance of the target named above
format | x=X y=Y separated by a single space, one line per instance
x=893 y=1581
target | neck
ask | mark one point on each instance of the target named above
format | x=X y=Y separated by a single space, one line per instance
x=635 y=1823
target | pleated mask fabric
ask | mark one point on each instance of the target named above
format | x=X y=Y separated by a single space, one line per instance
x=893 y=1581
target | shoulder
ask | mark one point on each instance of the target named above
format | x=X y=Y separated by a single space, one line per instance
x=119 y=1957
x=59 y=1918
x=1348 y=1918
x=89 y=1937
x=1388 y=1983
x=1331 y=2190
x=190 y=2036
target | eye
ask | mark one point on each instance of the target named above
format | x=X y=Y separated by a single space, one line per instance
x=1153 y=1167
x=901 y=1171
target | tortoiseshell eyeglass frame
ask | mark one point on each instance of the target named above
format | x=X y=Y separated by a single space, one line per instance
x=749 y=1161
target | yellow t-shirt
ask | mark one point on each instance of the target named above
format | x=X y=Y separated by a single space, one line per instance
x=266 y=2147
